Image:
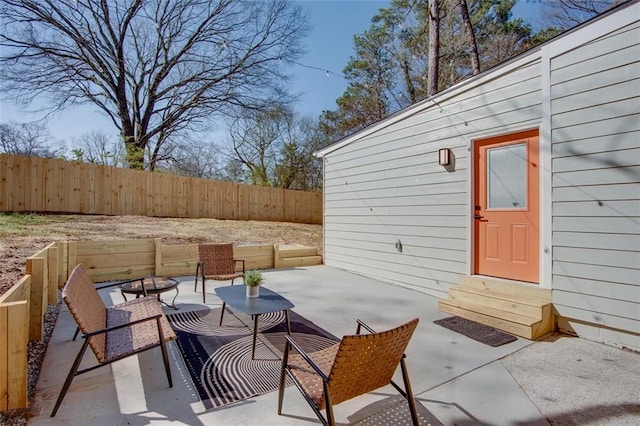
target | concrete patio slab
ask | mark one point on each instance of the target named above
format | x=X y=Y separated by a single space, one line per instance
x=456 y=380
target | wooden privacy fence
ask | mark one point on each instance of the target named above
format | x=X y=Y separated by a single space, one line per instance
x=32 y=184
x=23 y=307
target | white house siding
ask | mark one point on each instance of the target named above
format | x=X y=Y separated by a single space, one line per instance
x=387 y=186
x=595 y=110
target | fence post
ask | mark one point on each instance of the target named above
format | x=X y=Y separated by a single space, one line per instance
x=63 y=262
x=37 y=268
x=158 y=258
x=71 y=257
x=276 y=256
x=52 y=278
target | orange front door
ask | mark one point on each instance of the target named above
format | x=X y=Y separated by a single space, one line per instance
x=506 y=206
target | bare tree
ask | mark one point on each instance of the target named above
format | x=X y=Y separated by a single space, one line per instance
x=30 y=139
x=276 y=148
x=233 y=171
x=256 y=139
x=98 y=148
x=196 y=156
x=297 y=168
x=565 y=14
x=155 y=68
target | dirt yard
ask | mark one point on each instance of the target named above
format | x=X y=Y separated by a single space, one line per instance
x=22 y=235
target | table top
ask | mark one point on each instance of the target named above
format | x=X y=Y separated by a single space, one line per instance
x=151 y=284
x=268 y=301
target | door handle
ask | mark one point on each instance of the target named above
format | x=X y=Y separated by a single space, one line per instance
x=479 y=216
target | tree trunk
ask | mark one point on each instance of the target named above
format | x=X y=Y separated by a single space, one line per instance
x=134 y=152
x=411 y=89
x=471 y=38
x=434 y=46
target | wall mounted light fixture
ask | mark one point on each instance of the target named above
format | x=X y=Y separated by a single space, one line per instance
x=444 y=157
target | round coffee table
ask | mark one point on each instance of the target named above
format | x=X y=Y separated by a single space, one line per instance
x=149 y=286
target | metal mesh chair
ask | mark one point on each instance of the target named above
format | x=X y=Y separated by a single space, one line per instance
x=216 y=262
x=113 y=332
x=356 y=365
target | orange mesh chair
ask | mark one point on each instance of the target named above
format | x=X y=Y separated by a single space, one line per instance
x=356 y=365
x=114 y=332
x=216 y=263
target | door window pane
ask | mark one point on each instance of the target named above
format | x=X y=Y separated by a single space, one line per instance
x=507 y=177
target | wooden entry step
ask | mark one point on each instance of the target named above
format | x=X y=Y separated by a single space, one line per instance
x=517 y=308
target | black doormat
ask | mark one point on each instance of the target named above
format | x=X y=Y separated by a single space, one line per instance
x=480 y=332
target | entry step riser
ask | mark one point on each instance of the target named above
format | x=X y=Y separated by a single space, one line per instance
x=521 y=330
x=522 y=290
x=462 y=296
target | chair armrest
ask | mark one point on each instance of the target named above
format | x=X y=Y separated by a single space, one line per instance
x=306 y=358
x=117 y=283
x=366 y=327
x=127 y=324
x=240 y=260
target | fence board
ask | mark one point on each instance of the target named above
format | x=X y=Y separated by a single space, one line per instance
x=36 y=178
x=4 y=175
x=18 y=182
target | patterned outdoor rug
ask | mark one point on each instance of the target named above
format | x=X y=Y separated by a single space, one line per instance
x=218 y=358
x=480 y=332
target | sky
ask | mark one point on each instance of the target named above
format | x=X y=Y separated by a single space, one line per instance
x=328 y=46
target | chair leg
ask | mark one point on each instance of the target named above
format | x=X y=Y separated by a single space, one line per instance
x=75 y=335
x=328 y=406
x=165 y=356
x=224 y=304
x=409 y=393
x=195 y=285
x=285 y=360
x=70 y=376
